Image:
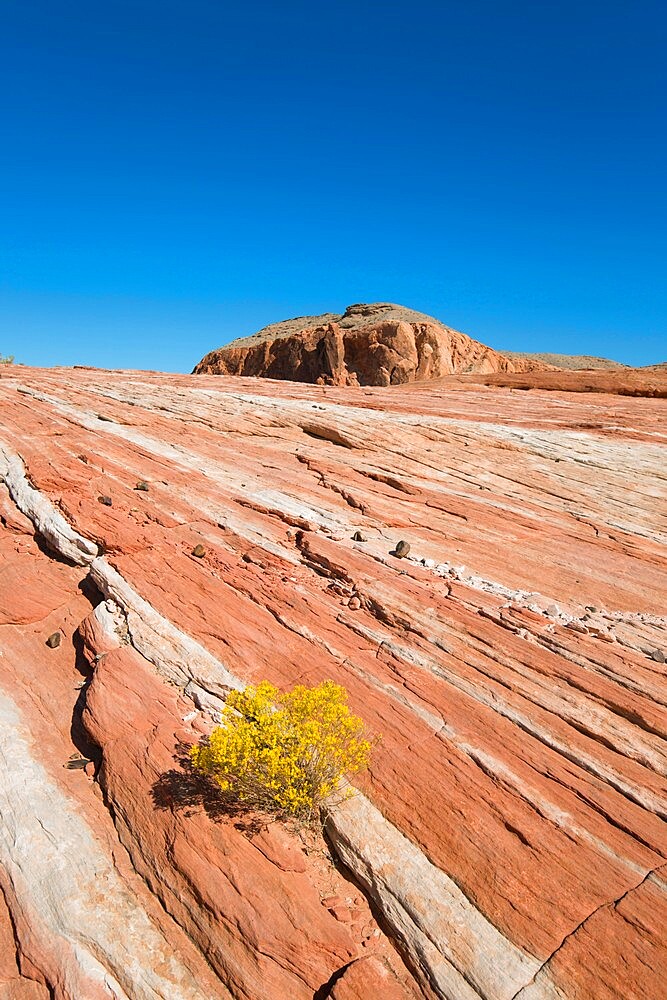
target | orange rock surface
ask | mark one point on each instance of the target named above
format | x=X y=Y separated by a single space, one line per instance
x=509 y=840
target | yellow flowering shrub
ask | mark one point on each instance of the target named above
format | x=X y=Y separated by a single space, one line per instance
x=285 y=752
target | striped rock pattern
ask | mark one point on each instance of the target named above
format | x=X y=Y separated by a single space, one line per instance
x=509 y=840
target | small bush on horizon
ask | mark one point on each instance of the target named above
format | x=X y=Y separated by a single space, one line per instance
x=285 y=753
x=6 y=359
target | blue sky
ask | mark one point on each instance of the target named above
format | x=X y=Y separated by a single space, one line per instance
x=174 y=175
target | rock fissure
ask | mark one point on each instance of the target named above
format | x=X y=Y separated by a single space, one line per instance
x=611 y=903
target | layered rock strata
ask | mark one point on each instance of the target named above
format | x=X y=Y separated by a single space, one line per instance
x=509 y=840
x=376 y=344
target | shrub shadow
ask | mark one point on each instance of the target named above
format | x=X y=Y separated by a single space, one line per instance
x=185 y=789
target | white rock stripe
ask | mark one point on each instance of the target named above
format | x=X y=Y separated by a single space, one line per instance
x=51 y=525
x=83 y=927
x=459 y=952
x=177 y=656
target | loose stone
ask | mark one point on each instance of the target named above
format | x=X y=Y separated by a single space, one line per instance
x=78 y=763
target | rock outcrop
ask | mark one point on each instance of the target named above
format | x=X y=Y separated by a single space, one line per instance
x=510 y=839
x=369 y=344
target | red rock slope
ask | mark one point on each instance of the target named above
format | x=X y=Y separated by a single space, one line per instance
x=510 y=840
x=370 y=344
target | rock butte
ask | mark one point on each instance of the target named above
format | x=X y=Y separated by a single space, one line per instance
x=509 y=841
x=376 y=343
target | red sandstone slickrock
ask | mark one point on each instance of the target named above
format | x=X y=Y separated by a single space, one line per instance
x=509 y=841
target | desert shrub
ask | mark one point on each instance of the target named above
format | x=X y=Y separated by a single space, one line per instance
x=285 y=753
x=6 y=359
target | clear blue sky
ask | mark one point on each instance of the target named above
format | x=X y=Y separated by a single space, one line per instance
x=176 y=174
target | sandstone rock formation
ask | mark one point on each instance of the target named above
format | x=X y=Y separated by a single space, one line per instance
x=370 y=344
x=510 y=839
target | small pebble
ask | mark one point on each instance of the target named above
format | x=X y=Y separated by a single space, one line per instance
x=658 y=656
x=401 y=550
x=358 y=537
x=354 y=603
x=54 y=640
x=78 y=763
x=577 y=627
x=107 y=501
x=199 y=551
x=142 y=486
